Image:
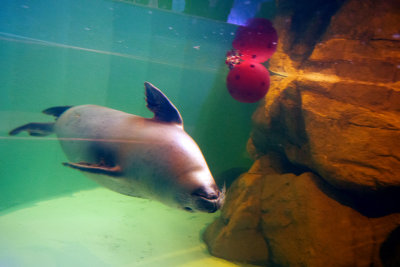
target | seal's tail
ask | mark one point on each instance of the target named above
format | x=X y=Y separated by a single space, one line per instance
x=41 y=128
x=35 y=129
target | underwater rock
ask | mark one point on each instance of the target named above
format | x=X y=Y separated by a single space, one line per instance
x=325 y=186
x=275 y=219
x=235 y=235
x=351 y=146
x=337 y=112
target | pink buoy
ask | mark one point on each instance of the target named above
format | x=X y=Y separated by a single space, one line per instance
x=256 y=41
x=248 y=81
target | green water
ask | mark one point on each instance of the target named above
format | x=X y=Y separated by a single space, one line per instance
x=71 y=52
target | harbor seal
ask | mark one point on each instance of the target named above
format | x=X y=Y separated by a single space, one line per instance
x=140 y=157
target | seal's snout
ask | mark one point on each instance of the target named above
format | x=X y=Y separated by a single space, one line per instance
x=209 y=199
x=207 y=193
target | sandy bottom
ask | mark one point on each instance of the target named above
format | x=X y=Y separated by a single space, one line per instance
x=102 y=228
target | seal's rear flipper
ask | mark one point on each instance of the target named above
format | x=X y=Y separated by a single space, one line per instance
x=35 y=129
x=95 y=168
x=56 y=111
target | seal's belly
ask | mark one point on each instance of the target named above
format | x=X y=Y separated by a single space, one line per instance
x=84 y=129
x=108 y=137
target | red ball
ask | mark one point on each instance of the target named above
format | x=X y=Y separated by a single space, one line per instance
x=248 y=81
x=256 y=41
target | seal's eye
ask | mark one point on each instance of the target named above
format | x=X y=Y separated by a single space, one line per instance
x=188 y=209
x=202 y=192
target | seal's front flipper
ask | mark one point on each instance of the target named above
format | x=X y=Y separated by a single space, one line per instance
x=161 y=106
x=95 y=168
x=35 y=129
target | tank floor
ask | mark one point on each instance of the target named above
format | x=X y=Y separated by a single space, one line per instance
x=102 y=228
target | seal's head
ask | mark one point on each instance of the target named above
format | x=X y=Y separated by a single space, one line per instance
x=188 y=183
x=200 y=193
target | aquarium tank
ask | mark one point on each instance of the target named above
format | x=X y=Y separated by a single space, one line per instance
x=230 y=132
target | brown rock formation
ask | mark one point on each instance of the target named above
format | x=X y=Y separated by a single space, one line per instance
x=332 y=117
x=337 y=112
x=276 y=219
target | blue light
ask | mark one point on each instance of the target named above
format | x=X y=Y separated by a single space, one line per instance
x=243 y=10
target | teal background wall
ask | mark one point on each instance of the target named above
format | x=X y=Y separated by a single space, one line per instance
x=70 y=52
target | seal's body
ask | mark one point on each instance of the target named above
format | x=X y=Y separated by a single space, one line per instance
x=150 y=158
